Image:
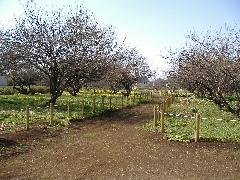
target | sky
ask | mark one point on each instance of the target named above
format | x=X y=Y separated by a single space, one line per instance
x=152 y=26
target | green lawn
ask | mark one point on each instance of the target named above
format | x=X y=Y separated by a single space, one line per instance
x=215 y=124
x=13 y=107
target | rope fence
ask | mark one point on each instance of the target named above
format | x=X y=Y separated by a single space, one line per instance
x=161 y=112
x=104 y=103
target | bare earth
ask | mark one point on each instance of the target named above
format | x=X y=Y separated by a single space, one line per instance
x=114 y=146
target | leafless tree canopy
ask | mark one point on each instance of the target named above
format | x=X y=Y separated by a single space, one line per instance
x=69 y=49
x=210 y=65
x=127 y=67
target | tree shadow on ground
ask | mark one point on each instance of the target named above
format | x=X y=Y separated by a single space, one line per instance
x=208 y=143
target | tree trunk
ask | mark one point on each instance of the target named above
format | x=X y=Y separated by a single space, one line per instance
x=54 y=97
x=21 y=90
x=238 y=108
x=73 y=90
x=30 y=90
x=55 y=90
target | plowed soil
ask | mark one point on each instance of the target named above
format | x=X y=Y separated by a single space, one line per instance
x=113 y=146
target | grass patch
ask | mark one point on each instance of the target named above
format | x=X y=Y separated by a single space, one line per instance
x=12 y=107
x=215 y=124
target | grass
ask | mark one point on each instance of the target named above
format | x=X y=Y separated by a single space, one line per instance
x=13 y=107
x=215 y=124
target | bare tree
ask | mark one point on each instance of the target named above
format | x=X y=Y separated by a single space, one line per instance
x=210 y=66
x=23 y=78
x=93 y=62
x=128 y=67
x=61 y=46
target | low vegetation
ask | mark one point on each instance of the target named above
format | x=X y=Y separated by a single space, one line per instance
x=10 y=90
x=215 y=124
x=13 y=107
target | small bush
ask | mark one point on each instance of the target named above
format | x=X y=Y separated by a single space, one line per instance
x=7 y=90
x=40 y=90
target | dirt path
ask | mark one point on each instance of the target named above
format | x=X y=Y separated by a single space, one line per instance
x=116 y=147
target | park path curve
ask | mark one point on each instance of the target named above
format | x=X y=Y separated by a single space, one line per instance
x=115 y=146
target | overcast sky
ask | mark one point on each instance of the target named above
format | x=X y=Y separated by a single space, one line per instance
x=153 y=26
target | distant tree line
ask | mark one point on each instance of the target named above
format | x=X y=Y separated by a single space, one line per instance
x=67 y=50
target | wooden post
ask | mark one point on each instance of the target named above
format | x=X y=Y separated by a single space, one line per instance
x=197 y=127
x=102 y=105
x=170 y=101
x=110 y=102
x=51 y=114
x=167 y=102
x=165 y=106
x=122 y=100
x=82 y=108
x=116 y=102
x=94 y=103
x=113 y=102
x=27 y=117
x=154 y=116
x=162 y=117
x=69 y=110
x=159 y=112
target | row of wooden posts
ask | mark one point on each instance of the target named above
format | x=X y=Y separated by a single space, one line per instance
x=129 y=101
x=162 y=108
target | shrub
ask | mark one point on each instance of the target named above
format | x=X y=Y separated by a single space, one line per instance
x=40 y=89
x=7 y=90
